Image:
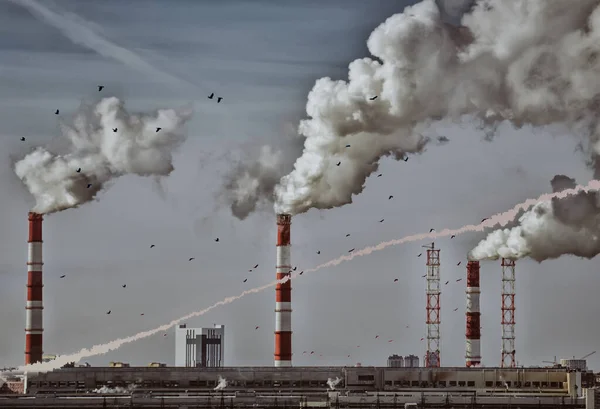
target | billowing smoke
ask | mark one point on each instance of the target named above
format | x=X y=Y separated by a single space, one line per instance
x=569 y=225
x=222 y=384
x=530 y=62
x=332 y=383
x=105 y=142
x=105 y=390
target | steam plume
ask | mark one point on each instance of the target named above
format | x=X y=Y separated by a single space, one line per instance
x=222 y=384
x=501 y=218
x=332 y=383
x=550 y=229
x=102 y=155
x=530 y=62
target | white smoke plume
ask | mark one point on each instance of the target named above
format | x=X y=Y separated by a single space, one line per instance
x=222 y=384
x=550 y=229
x=102 y=154
x=332 y=383
x=105 y=390
x=502 y=219
x=527 y=61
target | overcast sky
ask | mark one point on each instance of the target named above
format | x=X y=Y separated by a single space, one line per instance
x=263 y=59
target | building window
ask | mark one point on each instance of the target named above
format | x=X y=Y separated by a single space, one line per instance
x=366 y=377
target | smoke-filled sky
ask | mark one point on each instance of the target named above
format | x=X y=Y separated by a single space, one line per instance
x=263 y=59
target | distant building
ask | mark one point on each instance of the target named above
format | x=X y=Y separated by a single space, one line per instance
x=574 y=364
x=199 y=347
x=118 y=365
x=395 y=361
x=411 y=361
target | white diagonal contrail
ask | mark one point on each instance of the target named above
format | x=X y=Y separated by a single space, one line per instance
x=501 y=218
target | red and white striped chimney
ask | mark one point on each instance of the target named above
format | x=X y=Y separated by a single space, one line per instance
x=283 y=291
x=34 y=327
x=473 y=335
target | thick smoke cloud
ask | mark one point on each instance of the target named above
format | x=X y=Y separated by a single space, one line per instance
x=570 y=225
x=530 y=62
x=101 y=154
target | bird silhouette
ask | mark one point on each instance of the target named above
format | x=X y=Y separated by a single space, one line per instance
x=350 y=251
x=256 y=266
x=114 y=129
x=381 y=221
x=395 y=280
x=376 y=336
x=108 y=313
x=219 y=99
x=257 y=328
x=391 y=340
x=458 y=264
x=57 y=112
x=373 y=98
x=391 y=197
x=100 y=88
x=124 y=285
x=424 y=275
x=453 y=236
x=152 y=246
x=430 y=230
x=250 y=270
x=63 y=276
x=301 y=272
x=78 y=170
x=420 y=254
x=22 y=139
x=312 y=352
x=142 y=314
x=482 y=220
x=318 y=251
x=458 y=279
x=217 y=239
x=338 y=164
x=456 y=309
x=89 y=185
x=348 y=235
x=191 y=258
x=447 y=282
x=380 y=175
x=347 y=146
x=211 y=96
x=406 y=159
x=245 y=280
x=158 y=129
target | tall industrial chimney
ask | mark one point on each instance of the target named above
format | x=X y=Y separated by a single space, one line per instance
x=473 y=334
x=283 y=291
x=34 y=322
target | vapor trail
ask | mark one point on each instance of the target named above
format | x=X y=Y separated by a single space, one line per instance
x=500 y=218
x=76 y=30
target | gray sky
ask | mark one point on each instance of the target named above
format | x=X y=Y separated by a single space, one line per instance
x=263 y=59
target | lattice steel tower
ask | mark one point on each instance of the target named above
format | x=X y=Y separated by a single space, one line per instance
x=508 y=314
x=432 y=356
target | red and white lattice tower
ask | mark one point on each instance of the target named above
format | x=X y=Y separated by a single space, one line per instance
x=283 y=293
x=34 y=327
x=508 y=314
x=473 y=333
x=432 y=356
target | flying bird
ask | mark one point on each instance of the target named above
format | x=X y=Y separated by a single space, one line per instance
x=219 y=99
x=482 y=220
x=301 y=272
x=100 y=88
x=456 y=309
x=447 y=282
x=458 y=264
x=422 y=339
x=217 y=239
x=376 y=336
x=395 y=280
x=63 y=276
x=381 y=221
x=312 y=352
x=89 y=185
x=256 y=266
x=391 y=340
x=245 y=280
x=191 y=258
x=350 y=251
x=453 y=236
x=406 y=159
x=108 y=312
x=257 y=327
x=57 y=112
x=424 y=275
x=391 y=197
x=250 y=270
x=142 y=314
x=22 y=139
x=338 y=164
x=78 y=170
x=304 y=352
x=158 y=129
x=211 y=96
x=420 y=254
x=164 y=335
x=458 y=279
x=348 y=235
x=373 y=98
x=294 y=269
x=152 y=246
x=114 y=129
x=318 y=251
x=430 y=230
x=124 y=285
x=347 y=146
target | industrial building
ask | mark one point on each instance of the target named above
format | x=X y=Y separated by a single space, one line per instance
x=398 y=361
x=200 y=347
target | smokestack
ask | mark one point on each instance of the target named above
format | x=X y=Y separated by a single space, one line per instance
x=283 y=291
x=473 y=334
x=34 y=322
x=508 y=314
